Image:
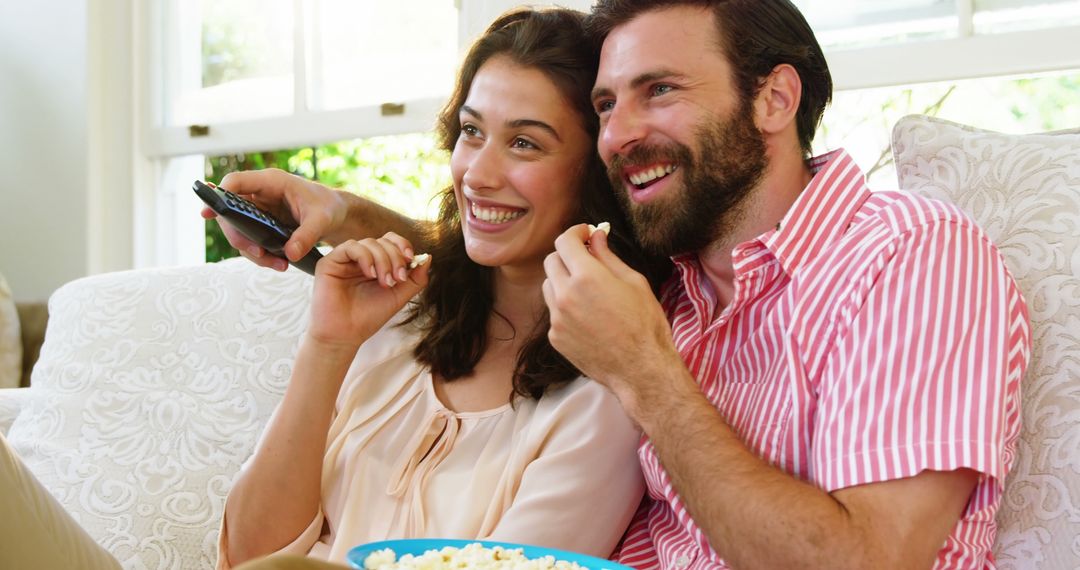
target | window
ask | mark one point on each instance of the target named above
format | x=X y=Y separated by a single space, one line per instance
x=235 y=77
x=1007 y=65
x=861 y=120
x=403 y=172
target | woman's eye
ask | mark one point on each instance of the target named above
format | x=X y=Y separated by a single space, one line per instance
x=469 y=130
x=523 y=144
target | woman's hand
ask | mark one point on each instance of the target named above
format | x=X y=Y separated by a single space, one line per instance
x=360 y=286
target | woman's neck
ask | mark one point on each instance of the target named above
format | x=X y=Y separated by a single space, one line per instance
x=518 y=300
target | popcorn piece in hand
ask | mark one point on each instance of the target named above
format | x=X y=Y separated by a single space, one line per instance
x=602 y=226
x=419 y=260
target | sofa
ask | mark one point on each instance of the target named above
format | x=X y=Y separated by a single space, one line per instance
x=153 y=385
x=22 y=330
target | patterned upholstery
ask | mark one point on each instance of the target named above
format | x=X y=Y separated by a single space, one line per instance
x=1024 y=190
x=10 y=342
x=151 y=390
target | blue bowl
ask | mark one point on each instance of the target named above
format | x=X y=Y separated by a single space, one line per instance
x=418 y=546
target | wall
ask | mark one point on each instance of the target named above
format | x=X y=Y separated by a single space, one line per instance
x=43 y=145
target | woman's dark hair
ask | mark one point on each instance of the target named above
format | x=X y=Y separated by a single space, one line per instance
x=755 y=36
x=453 y=311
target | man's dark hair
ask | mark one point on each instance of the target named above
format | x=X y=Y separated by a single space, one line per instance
x=755 y=36
x=453 y=310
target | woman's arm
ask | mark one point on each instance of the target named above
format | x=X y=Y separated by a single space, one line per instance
x=279 y=493
x=282 y=481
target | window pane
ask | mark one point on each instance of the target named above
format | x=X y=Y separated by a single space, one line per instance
x=228 y=60
x=996 y=16
x=403 y=172
x=861 y=120
x=370 y=52
x=861 y=23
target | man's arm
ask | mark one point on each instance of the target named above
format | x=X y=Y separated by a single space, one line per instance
x=605 y=320
x=757 y=516
x=319 y=212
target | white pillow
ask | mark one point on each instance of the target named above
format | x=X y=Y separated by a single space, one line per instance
x=151 y=390
x=10 y=339
x=1024 y=190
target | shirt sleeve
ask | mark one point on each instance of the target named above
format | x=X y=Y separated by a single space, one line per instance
x=581 y=491
x=926 y=369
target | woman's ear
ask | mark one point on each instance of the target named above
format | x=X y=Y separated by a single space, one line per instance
x=777 y=101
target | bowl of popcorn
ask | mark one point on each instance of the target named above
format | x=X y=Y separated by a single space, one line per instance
x=439 y=554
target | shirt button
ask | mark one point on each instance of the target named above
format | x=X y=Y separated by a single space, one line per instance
x=682 y=561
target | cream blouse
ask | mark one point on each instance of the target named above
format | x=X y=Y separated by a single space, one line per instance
x=560 y=472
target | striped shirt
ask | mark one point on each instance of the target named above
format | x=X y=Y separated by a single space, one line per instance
x=870 y=336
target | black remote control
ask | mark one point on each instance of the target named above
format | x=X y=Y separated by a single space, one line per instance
x=253 y=223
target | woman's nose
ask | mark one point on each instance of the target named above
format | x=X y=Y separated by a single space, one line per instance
x=483 y=168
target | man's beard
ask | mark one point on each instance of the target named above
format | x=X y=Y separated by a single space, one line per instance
x=715 y=186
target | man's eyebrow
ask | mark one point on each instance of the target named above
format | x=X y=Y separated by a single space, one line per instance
x=516 y=123
x=648 y=77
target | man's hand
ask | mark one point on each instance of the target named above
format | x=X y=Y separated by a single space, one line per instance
x=604 y=317
x=317 y=211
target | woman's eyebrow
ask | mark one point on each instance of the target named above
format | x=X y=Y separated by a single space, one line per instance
x=519 y=123
x=471 y=111
x=516 y=123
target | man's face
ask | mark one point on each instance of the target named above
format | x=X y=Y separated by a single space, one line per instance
x=681 y=146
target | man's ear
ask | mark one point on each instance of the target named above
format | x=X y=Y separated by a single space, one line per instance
x=777 y=101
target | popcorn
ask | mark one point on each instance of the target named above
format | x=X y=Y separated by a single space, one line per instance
x=471 y=557
x=602 y=226
x=419 y=260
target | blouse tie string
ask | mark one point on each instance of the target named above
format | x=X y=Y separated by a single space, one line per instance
x=423 y=453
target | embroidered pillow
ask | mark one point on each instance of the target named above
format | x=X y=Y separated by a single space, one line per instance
x=151 y=390
x=1024 y=190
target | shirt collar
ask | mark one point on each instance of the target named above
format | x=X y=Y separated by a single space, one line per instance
x=822 y=212
x=818 y=217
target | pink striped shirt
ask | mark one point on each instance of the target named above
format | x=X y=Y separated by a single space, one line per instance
x=871 y=336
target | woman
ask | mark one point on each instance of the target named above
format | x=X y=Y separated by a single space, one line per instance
x=453 y=416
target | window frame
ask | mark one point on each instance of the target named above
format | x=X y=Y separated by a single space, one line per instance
x=165 y=223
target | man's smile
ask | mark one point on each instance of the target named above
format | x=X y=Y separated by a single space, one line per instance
x=643 y=177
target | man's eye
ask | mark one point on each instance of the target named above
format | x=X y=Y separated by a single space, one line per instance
x=604 y=106
x=660 y=89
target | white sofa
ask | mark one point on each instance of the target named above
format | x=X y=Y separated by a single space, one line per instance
x=153 y=385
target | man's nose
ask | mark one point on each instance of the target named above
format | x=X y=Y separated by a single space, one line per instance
x=624 y=128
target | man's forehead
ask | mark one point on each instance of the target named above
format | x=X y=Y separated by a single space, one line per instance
x=667 y=38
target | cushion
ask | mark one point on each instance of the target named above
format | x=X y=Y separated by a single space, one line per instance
x=1024 y=190
x=10 y=339
x=151 y=390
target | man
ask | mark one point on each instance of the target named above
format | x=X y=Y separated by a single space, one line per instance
x=832 y=377
x=842 y=386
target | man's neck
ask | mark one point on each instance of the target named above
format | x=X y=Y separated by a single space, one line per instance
x=765 y=206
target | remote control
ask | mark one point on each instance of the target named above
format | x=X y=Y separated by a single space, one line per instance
x=253 y=223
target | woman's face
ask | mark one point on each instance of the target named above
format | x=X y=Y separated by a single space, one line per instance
x=516 y=165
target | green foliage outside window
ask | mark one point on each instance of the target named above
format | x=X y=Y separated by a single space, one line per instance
x=403 y=172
